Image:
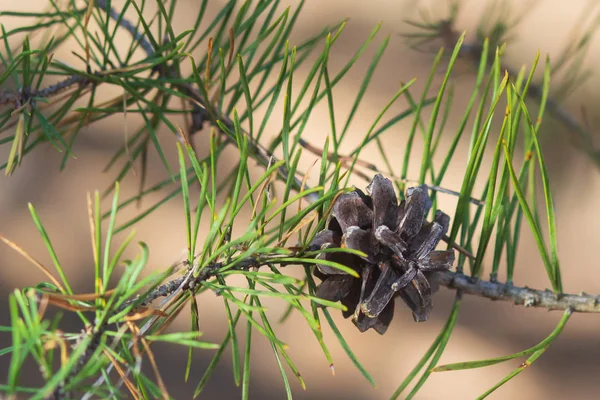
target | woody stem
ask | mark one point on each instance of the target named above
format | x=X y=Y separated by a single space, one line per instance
x=583 y=302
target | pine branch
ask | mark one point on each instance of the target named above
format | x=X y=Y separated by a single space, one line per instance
x=522 y=296
x=263 y=156
x=583 y=303
x=199 y=103
x=492 y=290
x=190 y=281
x=185 y=282
x=449 y=35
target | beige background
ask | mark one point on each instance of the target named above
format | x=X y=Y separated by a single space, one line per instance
x=484 y=328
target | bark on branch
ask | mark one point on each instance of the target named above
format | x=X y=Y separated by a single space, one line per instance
x=522 y=296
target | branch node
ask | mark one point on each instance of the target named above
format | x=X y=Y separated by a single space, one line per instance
x=530 y=301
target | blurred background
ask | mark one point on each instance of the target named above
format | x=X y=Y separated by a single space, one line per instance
x=569 y=369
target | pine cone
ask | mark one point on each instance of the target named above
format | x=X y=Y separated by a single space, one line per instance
x=399 y=247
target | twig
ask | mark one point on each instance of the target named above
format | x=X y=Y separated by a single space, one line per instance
x=347 y=161
x=263 y=156
x=584 y=303
x=128 y=26
x=458 y=247
x=186 y=281
x=261 y=153
x=21 y=96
